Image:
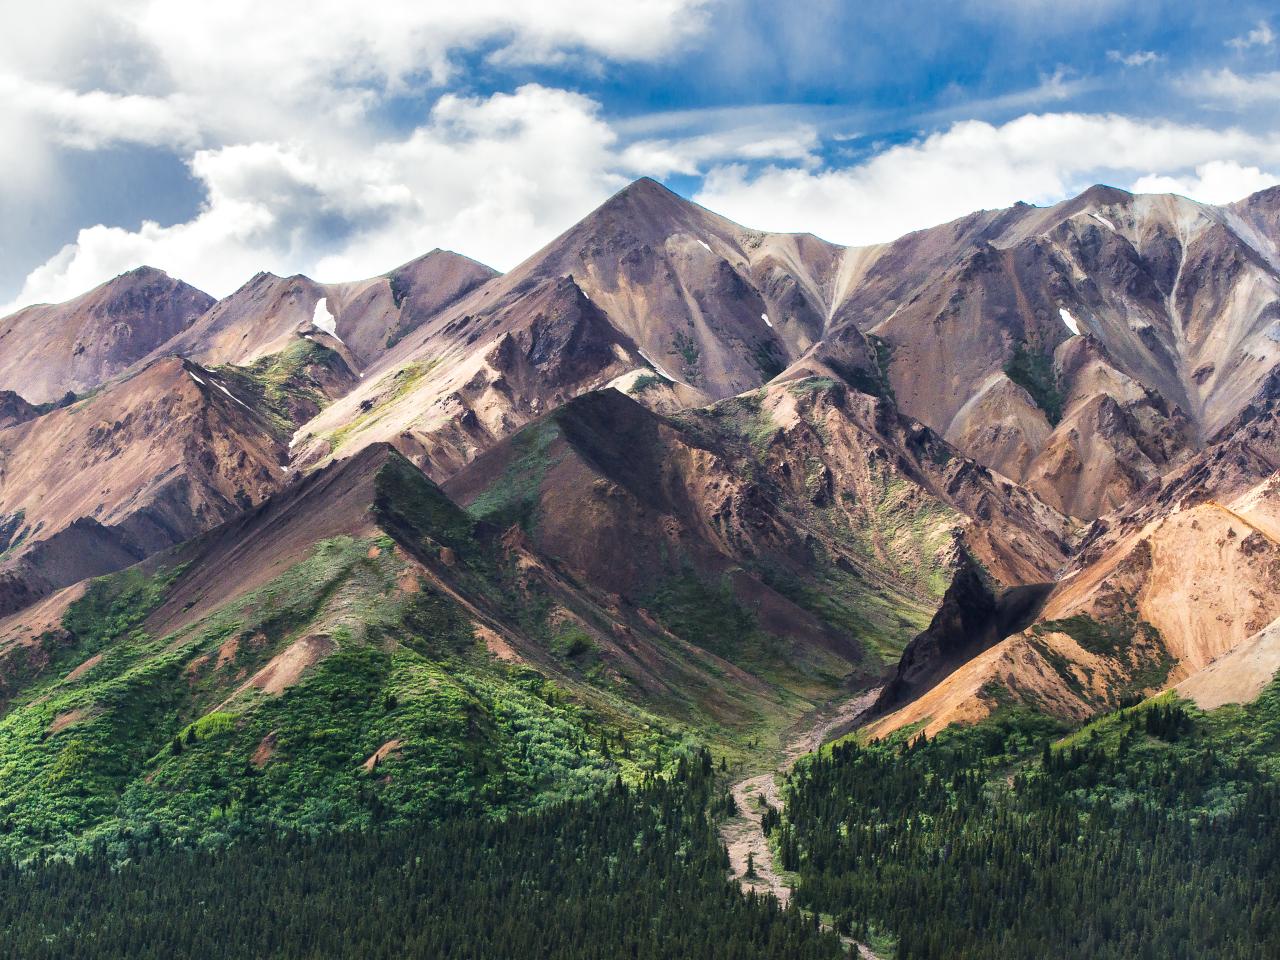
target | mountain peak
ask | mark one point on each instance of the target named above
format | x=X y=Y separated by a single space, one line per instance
x=647 y=193
x=1101 y=194
x=144 y=272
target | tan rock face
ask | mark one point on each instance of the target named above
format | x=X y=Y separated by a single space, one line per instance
x=1181 y=587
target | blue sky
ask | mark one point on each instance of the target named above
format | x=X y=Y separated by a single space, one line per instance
x=339 y=139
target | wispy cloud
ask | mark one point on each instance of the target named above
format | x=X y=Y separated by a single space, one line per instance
x=1138 y=58
x=1240 y=89
x=1260 y=36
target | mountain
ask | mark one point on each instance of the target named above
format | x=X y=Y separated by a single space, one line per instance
x=367 y=317
x=1082 y=361
x=670 y=481
x=139 y=466
x=49 y=350
x=1089 y=347
x=650 y=291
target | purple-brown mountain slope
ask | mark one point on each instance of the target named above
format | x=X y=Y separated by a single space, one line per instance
x=47 y=350
x=1083 y=349
x=676 y=304
x=146 y=463
x=367 y=316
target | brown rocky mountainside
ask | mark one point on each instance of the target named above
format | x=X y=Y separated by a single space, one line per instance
x=49 y=349
x=1034 y=447
x=1087 y=348
x=1075 y=343
x=142 y=465
x=1181 y=585
x=648 y=288
x=367 y=316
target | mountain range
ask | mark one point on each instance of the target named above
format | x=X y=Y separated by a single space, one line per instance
x=669 y=479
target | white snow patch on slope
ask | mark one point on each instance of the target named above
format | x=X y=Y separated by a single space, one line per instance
x=324 y=320
x=705 y=247
x=1104 y=221
x=657 y=366
x=196 y=379
x=231 y=395
x=1069 y=320
x=765 y=318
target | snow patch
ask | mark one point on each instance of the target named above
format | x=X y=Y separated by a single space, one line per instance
x=767 y=322
x=231 y=395
x=324 y=320
x=1069 y=320
x=705 y=247
x=1104 y=221
x=196 y=379
x=657 y=366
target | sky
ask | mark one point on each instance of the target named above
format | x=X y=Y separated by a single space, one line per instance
x=341 y=139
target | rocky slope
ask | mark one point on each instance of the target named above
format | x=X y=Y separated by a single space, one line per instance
x=48 y=350
x=650 y=292
x=140 y=466
x=1087 y=347
x=368 y=317
x=1183 y=585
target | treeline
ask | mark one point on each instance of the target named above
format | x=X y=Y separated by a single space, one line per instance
x=635 y=873
x=1153 y=841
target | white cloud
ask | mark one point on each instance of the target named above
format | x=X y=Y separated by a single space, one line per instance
x=89 y=121
x=1227 y=85
x=1138 y=58
x=1259 y=36
x=280 y=110
x=491 y=177
x=1219 y=181
x=974 y=165
x=688 y=155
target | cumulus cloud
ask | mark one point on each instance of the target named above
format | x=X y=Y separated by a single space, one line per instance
x=974 y=165
x=282 y=111
x=490 y=177
x=89 y=121
x=1219 y=181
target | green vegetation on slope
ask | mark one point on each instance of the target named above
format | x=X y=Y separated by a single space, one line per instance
x=1153 y=832
x=185 y=737
x=1032 y=369
x=513 y=498
x=288 y=387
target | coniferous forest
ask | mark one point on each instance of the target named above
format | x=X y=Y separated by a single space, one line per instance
x=1154 y=832
x=1150 y=833
x=638 y=872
